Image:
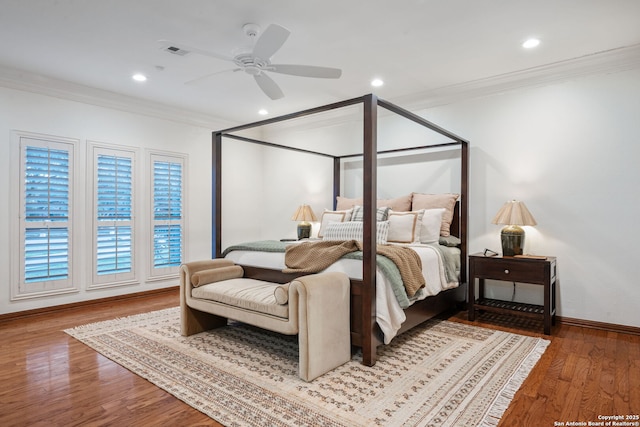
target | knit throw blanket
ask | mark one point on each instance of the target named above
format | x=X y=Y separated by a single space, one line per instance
x=312 y=257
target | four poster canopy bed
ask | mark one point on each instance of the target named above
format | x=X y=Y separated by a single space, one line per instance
x=369 y=318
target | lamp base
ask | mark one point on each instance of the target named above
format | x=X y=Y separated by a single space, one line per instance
x=304 y=230
x=512 y=237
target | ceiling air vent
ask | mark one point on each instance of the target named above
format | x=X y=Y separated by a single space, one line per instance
x=176 y=50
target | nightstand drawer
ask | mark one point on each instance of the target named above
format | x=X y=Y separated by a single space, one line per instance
x=511 y=271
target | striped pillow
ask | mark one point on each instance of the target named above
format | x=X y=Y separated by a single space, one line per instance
x=352 y=230
x=332 y=216
x=358 y=213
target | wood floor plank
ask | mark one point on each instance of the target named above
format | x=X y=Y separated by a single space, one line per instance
x=580 y=375
x=50 y=379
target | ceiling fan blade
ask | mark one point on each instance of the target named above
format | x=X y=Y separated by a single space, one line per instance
x=268 y=86
x=206 y=76
x=172 y=46
x=270 y=41
x=306 y=71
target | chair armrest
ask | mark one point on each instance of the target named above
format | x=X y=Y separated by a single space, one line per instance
x=324 y=322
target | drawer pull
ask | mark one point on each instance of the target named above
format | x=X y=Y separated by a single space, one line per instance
x=506 y=272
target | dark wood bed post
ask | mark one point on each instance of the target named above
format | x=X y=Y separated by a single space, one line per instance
x=336 y=181
x=464 y=208
x=216 y=200
x=369 y=192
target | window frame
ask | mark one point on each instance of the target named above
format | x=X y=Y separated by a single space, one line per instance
x=161 y=273
x=131 y=277
x=20 y=288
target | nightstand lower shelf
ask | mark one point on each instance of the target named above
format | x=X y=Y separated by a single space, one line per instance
x=509 y=307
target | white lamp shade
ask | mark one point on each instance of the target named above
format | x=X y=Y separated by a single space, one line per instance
x=514 y=213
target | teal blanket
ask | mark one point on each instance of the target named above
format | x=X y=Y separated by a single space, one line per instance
x=387 y=267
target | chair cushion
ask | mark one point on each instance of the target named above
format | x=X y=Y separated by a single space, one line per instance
x=250 y=294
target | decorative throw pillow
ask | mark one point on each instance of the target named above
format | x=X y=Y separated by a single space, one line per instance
x=433 y=201
x=352 y=230
x=451 y=241
x=404 y=227
x=204 y=277
x=399 y=204
x=332 y=216
x=281 y=294
x=343 y=203
x=358 y=213
x=431 y=224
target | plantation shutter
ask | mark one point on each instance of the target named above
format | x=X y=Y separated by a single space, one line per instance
x=46 y=253
x=45 y=230
x=167 y=213
x=113 y=216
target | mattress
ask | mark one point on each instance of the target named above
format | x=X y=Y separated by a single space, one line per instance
x=389 y=313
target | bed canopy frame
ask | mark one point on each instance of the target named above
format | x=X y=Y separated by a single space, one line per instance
x=364 y=327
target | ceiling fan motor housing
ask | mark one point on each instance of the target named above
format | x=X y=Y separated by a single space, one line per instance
x=251 y=64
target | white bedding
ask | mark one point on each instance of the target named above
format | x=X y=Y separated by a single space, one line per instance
x=389 y=314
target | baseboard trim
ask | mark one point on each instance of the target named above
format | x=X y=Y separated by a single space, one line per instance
x=82 y=304
x=609 y=327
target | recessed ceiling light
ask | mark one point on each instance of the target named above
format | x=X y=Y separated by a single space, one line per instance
x=377 y=82
x=263 y=112
x=139 y=77
x=530 y=43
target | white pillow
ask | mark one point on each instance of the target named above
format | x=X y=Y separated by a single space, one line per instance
x=352 y=230
x=332 y=216
x=431 y=225
x=405 y=227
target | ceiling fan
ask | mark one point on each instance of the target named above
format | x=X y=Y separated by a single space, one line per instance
x=257 y=61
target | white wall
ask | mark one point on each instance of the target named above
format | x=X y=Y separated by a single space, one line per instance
x=243 y=198
x=262 y=187
x=30 y=112
x=570 y=152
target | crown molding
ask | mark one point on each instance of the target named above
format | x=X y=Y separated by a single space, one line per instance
x=30 y=82
x=605 y=62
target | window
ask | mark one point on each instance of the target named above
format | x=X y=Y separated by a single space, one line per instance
x=75 y=215
x=168 y=218
x=45 y=241
x=113 y=217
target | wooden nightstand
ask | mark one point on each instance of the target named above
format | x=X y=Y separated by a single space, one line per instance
x=513 y=269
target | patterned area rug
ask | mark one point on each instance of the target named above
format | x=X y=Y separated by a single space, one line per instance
x=441 y=374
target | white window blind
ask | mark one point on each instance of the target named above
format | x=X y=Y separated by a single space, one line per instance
x=113 y=198
x=46 y=243
x=46 y=171
x=168 y=221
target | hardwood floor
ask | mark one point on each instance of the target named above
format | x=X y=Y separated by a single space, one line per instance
x=583 y=373
x=50 y=379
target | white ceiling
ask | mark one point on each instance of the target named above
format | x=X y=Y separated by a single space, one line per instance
x=419 y=47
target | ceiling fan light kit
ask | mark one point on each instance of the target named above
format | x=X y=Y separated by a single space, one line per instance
x=257 y=62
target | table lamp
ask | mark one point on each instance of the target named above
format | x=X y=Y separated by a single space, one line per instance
x=513 y=214
x=304 y=214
